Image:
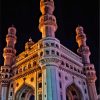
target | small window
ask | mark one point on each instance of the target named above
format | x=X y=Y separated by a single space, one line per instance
x=90 y=68
x=3 y=70
x=24 y=68
x=57 y=53
x=87 y=68
x=62 y=63
x=59 y=74
x=83 y=83
x=71 y=67
x=41 y=45
x=40 y=85
x=6 y=76
x=10 y=93
x=20 y=70
x=29 y=65
x=66 y=78
x=67 y=65
x=26 y=55
x=60 y=84
x=85 y=91
x=81 y=72
x=75 y=69
x=57 y=46
x=52 y=44
x=16 y=71
x=34 y=63
x=17 y=84
x=79 y=82
x=52 y=52
x=47 y=44
x=11 y=85
x=47 y=52
x=32 y=79
x=6 y=70
x=39 y=75
x=41 y=53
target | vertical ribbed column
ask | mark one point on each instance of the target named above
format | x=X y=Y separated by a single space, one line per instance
x=51 y=83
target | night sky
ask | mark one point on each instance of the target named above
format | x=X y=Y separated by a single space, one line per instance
x=24 y=15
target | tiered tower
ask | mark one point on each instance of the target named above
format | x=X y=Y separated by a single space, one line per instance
x=89 y=69
x=47 y=22
x=9 y=60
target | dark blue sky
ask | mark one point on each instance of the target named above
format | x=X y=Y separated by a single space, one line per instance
x=24 y=14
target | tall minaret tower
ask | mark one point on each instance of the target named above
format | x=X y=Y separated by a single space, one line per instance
x=90 y=72
x=9 y=59
x=47 y=22
x=9 y=50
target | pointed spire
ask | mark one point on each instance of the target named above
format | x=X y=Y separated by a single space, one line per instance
x=83 y=49
x=47 y=22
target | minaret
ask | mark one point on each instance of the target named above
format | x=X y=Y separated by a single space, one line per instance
x=9 y=50
x=47 y=22
x=89 y=71
x=9 y=59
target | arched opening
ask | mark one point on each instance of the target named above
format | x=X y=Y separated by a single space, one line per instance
x=32 y=97
x=25 y=93
x=73 y=93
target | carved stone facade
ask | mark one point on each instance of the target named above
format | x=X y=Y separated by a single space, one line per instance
x=47 y=70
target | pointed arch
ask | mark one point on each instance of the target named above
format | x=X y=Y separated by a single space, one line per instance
x=73 y=92
x=25 y=92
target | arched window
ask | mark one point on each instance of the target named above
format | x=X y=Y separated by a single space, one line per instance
x=29 y=65
x=40 y=85
x=24 y=68
x=41 y=53
x=39 y=75
x=52 y=52
x=6 y=76
x=47 y=52
x=6 y=70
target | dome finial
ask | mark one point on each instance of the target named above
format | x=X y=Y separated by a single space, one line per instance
x=30 y=39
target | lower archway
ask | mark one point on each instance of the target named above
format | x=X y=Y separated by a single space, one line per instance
x=25 y=93
x=73 y=93
x=32 y=97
